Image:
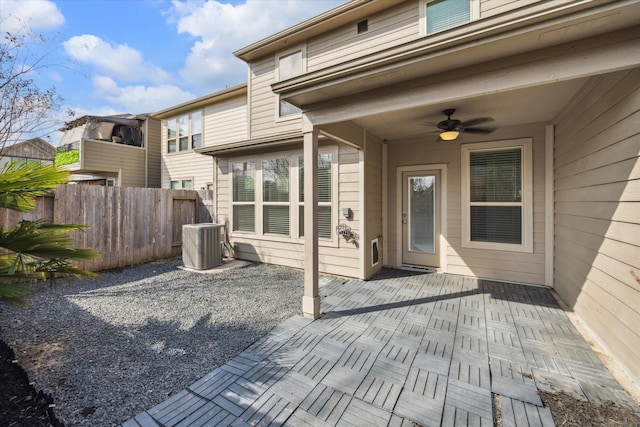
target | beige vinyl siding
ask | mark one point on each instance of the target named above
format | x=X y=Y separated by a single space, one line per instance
x=493 y=264
x=188 y=165
x=597 y=214
x=339 y=258
x=263 y=102
x=493 y=7
x=373 y=201
x=387 y=29
x=153 y=146
x=225 y=122
x=99 y=157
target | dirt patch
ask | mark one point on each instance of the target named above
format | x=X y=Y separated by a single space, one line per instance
x=568 y=411
x=42 y=355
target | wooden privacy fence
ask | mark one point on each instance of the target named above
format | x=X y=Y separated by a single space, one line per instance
x=127 y=225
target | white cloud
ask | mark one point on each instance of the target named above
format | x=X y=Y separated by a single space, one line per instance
x=17 y=15
x=222 y=28
x=120 y=61
x=139 y=99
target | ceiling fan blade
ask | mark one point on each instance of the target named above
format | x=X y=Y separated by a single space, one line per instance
x=476 y=122
x=477 y=131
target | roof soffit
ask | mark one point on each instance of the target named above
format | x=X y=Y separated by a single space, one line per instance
x=478 y=42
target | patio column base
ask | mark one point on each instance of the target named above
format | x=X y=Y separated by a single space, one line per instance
x=311 y=307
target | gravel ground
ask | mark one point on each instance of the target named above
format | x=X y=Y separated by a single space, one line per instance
x=111 y=347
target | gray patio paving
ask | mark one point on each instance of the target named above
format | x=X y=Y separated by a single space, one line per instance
x=402 y=349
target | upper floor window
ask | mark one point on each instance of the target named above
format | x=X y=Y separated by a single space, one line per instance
x=184 y=132
x=290 y=64
x=443 y=14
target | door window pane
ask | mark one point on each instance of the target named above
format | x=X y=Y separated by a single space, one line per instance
x=421 y=219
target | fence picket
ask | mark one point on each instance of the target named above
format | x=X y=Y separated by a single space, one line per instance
x=127 y=225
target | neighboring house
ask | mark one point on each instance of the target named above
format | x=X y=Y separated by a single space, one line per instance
x=121 y=150
x=32 y=149
x=218 y=119
x=537 y=181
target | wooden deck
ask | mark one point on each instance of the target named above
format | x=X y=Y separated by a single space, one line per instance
x=402 y=349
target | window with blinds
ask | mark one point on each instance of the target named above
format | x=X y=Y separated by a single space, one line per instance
x=444 y=14
x=243 y=202
x=324 y=196
x=275 y=196
x=495 y=195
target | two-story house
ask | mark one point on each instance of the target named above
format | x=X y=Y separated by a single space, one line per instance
x=486 y=138
x=214 y=120
x=121 y=150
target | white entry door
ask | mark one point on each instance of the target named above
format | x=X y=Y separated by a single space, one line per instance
x=420 y=218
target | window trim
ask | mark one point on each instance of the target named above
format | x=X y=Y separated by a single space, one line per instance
x=293 y=237
x=256 y=189
x=303 y=49
x=475 y=15
x=526 y=145
x=181 y=182
x=190 y=134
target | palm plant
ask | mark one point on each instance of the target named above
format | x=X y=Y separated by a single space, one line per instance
x=34 y=251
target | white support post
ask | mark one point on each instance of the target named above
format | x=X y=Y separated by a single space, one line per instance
x=311 y=297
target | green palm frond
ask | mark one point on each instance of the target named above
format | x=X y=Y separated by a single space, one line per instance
x=34 y=250
x=21 y=182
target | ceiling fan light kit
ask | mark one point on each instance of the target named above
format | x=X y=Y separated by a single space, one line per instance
x=450 y=129
x=449 y=135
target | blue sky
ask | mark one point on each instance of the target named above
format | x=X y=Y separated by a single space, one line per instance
x=138 y=56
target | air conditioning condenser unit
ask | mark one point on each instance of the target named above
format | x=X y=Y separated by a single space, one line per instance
x=201 y=245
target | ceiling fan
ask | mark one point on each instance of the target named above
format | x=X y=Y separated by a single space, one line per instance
x=451 y=128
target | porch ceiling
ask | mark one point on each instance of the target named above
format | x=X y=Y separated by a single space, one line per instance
x=530 y=105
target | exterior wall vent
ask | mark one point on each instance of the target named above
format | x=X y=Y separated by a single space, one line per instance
x=363 y=26
x=201 y=247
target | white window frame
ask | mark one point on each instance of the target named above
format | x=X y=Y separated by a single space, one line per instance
x=293 y=157
x=475 y=14
x=190 y=133
x=257 y=188
x=526 y=145
x=264 y=203
x=181 y=182
x=303 y=50
x=334 y=194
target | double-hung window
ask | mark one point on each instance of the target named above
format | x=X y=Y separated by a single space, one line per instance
x=497 y=199
x=289 y=64
x=243 y=202
x=440 y=15
x=184 y=132
x=325 y=195
x=275 y=196
x=268 y=196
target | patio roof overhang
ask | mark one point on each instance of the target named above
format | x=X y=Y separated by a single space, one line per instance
x=551 y=43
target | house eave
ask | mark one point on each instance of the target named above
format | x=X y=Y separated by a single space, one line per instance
x=252 y=144
x=507 y=34
x=341 y=15
x=203 y=101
